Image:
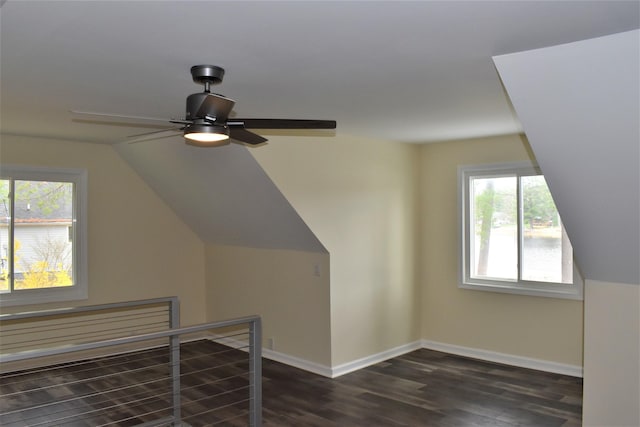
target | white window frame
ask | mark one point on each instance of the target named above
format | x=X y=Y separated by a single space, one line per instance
x=465 y=281
x=80 y=289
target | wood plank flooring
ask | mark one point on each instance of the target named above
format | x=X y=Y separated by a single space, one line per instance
x=421 y=388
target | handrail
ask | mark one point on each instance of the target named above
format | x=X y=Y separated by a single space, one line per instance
x=173 y=322
x=255 y=357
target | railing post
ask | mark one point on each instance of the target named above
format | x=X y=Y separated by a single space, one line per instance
x=255 y=373
x=174 y=361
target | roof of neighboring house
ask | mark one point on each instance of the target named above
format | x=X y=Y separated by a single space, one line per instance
x=26 y=212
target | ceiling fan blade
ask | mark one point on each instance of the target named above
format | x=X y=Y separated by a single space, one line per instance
x=143 y=138
x=137 y=135
x=242 y=135
x=123 y=116
x=217 y=106
x=282 y=123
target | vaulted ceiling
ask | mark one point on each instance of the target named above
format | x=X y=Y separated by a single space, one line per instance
x=418 y=71
x=401 y=71
x=580 y=106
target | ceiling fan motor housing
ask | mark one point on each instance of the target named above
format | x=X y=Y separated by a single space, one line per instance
x=194 y=101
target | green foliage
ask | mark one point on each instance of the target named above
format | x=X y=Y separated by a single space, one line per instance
x=496 y=204
x=45 y=196
x=537 y=203
x=4 y=189
x=501 y=194
x=4 y=196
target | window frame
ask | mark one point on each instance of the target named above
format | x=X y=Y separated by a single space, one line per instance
x=521 y=287
x=80 y=289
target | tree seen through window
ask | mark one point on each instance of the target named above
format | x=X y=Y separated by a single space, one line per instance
x=36 y=234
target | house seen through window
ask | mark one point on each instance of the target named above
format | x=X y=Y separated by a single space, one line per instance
x=42 y=250
x=513 y=237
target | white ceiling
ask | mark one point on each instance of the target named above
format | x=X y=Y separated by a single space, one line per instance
x=404 y=71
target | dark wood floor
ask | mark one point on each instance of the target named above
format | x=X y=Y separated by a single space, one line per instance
x=422 y=388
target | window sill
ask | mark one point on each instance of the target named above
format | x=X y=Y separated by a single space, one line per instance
x=571 y=292
x=43 y=296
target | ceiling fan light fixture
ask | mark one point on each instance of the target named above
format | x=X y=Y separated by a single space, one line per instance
x=206 y=135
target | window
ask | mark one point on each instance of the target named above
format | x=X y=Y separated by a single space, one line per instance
x=512 y=235
x=43 y=250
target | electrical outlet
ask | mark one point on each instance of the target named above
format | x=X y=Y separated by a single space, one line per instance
x=316 y=270
x=271 y=343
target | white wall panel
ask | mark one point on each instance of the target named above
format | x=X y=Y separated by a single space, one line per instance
x=580 y=108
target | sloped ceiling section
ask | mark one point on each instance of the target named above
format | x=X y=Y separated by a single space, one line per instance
x=579 y=104
x=221 y=193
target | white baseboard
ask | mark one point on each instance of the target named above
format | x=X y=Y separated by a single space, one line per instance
x=506 y=359
x=317 y=368
x=345 y=368
x=297 y=362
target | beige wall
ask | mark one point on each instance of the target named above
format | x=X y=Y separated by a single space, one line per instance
x=534 y=327
x=138 y=248
x=288 y=289
x=611 y=354
x=358 y=196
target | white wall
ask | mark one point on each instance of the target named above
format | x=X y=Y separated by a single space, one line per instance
x=358 y=197
x=580 y=107
x=221 y=193
x=288 y=289
x=545 y=329
x=611 y=354
x=138 y=247
x=579 y=104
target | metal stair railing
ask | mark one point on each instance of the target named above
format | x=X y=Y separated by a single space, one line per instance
x=129 y=380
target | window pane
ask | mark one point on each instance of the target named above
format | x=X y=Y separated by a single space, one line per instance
x=43 y=248
x=4 y=235
x=546 y=251
x=493 y=227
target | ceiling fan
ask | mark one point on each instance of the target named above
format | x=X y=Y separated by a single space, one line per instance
x=207 y=123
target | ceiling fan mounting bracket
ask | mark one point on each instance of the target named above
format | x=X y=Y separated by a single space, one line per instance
x=207 y=74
